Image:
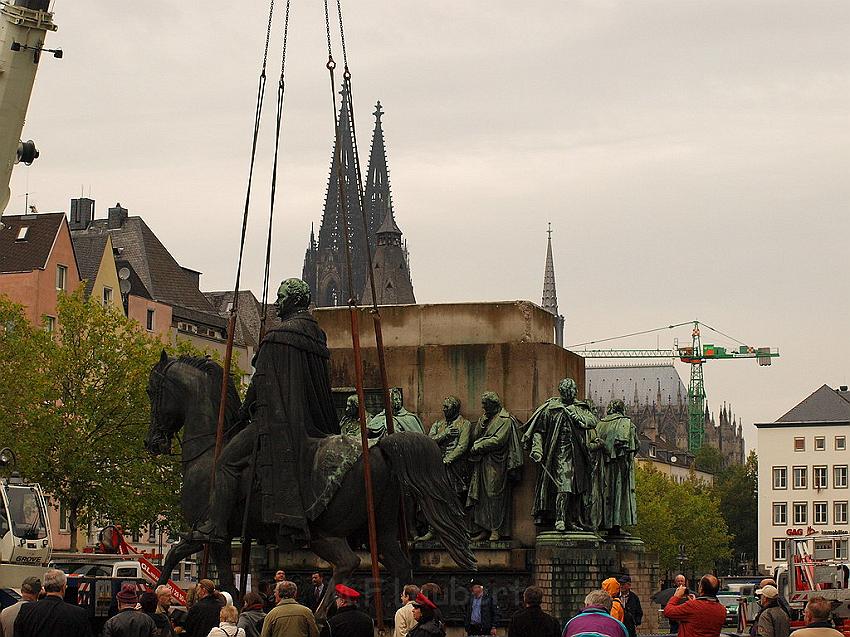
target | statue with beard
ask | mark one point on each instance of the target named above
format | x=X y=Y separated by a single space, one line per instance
x=496 y=455
x=452 y=435
x=621 y=444
x=349 y=424
x=403 y=420
x=557 y=436
x=289 y=404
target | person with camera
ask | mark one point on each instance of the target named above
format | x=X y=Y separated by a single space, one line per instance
x=698 y=616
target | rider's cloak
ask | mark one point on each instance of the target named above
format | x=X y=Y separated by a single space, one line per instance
x=292 y=407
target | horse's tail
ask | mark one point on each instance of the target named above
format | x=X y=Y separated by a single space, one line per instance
x=416 y=461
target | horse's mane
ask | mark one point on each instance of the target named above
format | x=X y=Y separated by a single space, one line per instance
x=215 y=372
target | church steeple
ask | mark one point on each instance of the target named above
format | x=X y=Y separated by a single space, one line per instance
x=378 y=198
x=550 y=294
x=331 y=279
x=389 y=262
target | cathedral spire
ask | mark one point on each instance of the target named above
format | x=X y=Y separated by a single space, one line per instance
x=550 y=294
x=378 y=201
x=390 y=263
x=329 y=257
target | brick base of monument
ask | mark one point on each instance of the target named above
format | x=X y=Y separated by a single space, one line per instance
x=567 y=566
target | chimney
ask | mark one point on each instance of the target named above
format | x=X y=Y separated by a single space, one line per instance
x=842 y=388
x=117 y=217
x=82 y=213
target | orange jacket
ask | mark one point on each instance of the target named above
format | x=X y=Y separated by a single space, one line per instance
x=612 y=587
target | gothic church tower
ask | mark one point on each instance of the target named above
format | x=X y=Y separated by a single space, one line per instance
x=325 y=267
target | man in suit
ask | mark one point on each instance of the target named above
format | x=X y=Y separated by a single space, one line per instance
x=314 y=594
x=52 y=615
x=481 y=612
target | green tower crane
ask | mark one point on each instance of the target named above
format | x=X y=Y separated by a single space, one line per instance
x=695 y=355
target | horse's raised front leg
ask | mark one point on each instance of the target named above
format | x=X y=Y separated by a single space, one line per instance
x=334 y=550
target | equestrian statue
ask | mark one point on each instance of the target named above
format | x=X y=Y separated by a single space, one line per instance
x=283 y=454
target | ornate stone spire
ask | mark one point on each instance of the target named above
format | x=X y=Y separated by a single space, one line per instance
x=331 y=280
x=550 y=294
x=391 y=269
x=378 y=199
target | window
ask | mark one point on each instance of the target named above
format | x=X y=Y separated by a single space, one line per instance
x=780 y=513
x=64 y=527
x=801 y=513
x=778 y=550
x=839 y=476
x=820 y=514
x=780 y=477
x=652 y=452
x=840 y=443
x=61 y=277
x=149 y=320
x=107 y=297
x=820 y=443
x=800 y=477
x=819 y=477
x=841 y=549
x=49 y=324
x=799 y=444
x=22 y=233
x=839 y=513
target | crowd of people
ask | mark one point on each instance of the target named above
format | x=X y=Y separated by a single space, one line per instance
x=611 y=611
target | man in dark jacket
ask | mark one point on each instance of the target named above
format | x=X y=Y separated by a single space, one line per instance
x=531 y=621
x=631 y=605
x=348 y=621
x=481 y=612
x=204 y=614
x=129 y=622
x=52 y=615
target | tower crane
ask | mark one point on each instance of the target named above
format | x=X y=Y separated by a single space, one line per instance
x=695 y=355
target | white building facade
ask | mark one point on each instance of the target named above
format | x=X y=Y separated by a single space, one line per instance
x=803 y=482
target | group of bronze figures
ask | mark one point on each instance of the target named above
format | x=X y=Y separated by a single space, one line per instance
x=586 y=478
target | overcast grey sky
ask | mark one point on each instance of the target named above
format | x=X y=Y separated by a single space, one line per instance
x=693 y=157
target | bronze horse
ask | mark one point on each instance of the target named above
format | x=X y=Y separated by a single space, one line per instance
x=184 y=394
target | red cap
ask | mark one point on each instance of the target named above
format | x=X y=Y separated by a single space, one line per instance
x=423 y=601
x=344 y=591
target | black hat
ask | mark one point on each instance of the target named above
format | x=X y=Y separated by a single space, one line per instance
x=475 y=582
x=624 y=579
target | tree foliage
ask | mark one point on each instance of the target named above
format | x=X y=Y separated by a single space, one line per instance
x=709 y=459
x=73 y=406
x=673 y=515
x=737 y=489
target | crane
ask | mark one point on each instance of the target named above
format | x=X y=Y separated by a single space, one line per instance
x=23 y=26
x=695 y=355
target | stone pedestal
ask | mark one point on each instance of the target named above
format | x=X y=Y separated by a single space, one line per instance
x=567 y=566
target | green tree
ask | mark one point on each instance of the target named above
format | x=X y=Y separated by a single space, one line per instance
x=673 y=515
x=737 y=490
x=81 y=436
x=709 y=459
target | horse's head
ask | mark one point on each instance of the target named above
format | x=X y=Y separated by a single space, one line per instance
x=167 y=408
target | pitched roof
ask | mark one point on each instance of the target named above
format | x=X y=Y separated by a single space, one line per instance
x=605 y=383
x=822 y=405
x=32 y=252
x=249 y=314
x=89 y=250
x=163 y=278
